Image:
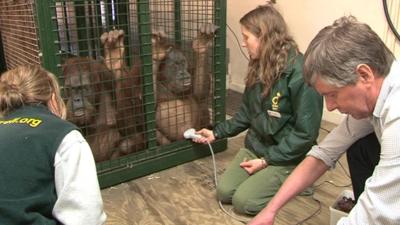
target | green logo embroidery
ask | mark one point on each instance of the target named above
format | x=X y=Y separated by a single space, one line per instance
x=32 y=122
x=275 y=101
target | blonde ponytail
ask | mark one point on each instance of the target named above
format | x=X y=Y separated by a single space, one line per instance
x=29 y=85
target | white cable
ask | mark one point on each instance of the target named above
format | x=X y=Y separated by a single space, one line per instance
x=214 y=164
x=191 y=134
x=216 y=184
x=243 y=220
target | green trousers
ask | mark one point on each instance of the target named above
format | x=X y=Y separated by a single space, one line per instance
x=249 y=194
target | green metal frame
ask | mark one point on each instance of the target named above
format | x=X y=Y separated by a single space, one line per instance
x=47 y=36
x=143 y=12
x=82 y=28
x=122 y=24
x=220 y=65
x=2 y=59
x=186 y=152
x=177 y=21
x=157 y=158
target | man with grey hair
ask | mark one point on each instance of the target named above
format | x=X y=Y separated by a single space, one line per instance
x=357 y=74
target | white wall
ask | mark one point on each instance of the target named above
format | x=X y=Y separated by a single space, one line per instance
x=305 y=18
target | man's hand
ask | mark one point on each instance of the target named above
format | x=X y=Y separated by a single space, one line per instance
x=253 y=165
x=263 y=218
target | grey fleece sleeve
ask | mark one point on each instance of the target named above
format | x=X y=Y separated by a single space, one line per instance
x=340 y=139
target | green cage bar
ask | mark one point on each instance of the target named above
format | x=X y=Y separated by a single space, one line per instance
x=75 y=30
x=177 y=20
x=47 y=37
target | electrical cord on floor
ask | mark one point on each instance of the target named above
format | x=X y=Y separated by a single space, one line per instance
x=318 y=201
x=244 y=221
x=216 y=184
x=316 y=212
x=344 y=170
x=333 y=183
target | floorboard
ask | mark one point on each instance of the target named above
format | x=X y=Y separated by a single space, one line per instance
x=185 y=195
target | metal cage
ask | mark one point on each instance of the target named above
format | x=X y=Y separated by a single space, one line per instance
x=19 y=33
x=130 y=118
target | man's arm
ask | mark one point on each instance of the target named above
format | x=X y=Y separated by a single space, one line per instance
x=303 y=176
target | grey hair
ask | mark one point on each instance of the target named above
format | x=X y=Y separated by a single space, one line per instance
x=334 y=54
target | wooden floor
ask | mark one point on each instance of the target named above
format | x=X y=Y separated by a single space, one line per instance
x=185 y=195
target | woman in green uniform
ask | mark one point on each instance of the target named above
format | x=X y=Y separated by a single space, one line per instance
x=280 y=112
x=48 y=174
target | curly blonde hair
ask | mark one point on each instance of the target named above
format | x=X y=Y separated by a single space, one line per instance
x=267 y=24
x=26 y=85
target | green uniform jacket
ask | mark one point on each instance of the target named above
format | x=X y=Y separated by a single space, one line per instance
x=283 y=126
x=29 y=137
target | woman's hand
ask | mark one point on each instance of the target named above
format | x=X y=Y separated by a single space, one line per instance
x=254 y=165
x=207 y=136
